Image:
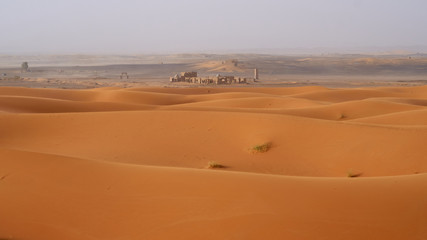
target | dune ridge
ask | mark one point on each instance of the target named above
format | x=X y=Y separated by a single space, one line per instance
x=44 y=196
x=115 y=163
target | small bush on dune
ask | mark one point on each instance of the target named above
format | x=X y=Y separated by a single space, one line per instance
x=215 y=165
x=261 y=148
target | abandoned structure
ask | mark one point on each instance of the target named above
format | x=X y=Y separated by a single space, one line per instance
x=256 y=74
x=24 y=67
x=191 y=77
x=124 y=74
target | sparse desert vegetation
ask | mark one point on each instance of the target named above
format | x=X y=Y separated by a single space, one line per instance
x=261 y=148
x=213 y=164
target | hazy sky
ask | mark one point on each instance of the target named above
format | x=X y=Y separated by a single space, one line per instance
x=131 y=26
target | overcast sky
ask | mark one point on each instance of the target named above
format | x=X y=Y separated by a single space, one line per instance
x=150 y=26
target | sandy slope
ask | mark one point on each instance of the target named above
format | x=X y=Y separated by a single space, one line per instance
x=219 y=66
x=131 y=163
x=54 y=197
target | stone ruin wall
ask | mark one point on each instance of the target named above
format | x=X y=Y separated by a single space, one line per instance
x=191 y=77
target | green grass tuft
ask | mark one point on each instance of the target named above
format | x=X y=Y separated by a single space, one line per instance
x=261 y=148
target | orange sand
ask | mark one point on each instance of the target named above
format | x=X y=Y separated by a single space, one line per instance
x=132 y=163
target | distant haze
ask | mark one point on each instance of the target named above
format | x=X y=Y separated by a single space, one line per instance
x=161 y=26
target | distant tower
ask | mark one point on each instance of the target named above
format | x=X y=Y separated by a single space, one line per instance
x=256 y=73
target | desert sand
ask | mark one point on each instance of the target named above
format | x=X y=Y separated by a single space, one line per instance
x=133 y=163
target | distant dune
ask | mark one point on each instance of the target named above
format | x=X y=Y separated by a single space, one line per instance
x=114 y=163
x=220 y=66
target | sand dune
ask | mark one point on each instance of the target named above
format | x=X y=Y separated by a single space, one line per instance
x=115 y=163
x=66 y=198
x=219 y=66
x=415 y=118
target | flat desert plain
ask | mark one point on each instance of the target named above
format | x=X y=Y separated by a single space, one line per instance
x=95 y=71
x=213 y=163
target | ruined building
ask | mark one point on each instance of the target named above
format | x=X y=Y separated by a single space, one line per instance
x=191 y=77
